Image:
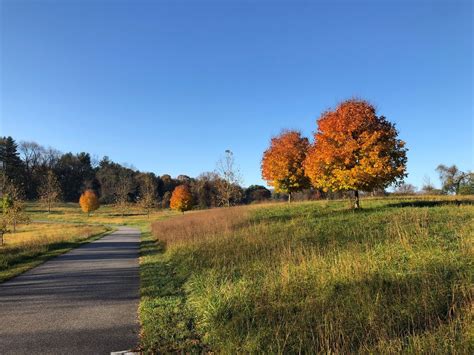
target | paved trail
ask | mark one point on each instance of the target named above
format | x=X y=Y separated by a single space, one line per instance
x=82 y=302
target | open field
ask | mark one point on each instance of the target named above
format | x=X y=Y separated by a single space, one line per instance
x=66 y=227
x=312 y=277
x=105 y=215
x=36 y=242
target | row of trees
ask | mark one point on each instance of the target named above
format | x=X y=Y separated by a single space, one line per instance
x=45 y=174
x=181 y=200
x=354 y=150
x=453 y=181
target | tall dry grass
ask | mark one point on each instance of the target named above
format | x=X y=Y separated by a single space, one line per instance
x=199 y=226
x=315 y=277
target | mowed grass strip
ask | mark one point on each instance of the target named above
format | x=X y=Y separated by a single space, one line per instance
x=34 y=243
x=312 y=277
x=106 y=214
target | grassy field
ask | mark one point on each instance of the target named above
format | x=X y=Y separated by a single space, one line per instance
x=66 y=227
x=105 y=215
x=394 y=277
x=34 y=243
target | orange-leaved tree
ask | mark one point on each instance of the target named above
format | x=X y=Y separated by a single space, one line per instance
x=354 y=149
x=181 y=199
x=282 y=163
x=89 y=201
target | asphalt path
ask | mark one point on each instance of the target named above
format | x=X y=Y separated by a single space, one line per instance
x=81 y=302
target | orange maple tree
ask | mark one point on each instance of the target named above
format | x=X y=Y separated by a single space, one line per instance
x=282 y=163
x=89 y=201
x=354 y=149
x=181 y=199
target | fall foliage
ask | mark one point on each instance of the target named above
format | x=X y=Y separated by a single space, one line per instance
x=355 y=150
x=282 y=163
x=89 y=201
x=181 y=199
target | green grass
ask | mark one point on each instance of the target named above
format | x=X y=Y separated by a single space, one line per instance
x=65 y=228
x=163 y=313
x=105 y=215
x=312 y=277
x=35 y=243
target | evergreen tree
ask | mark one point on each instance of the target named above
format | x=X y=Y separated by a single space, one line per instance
x=10 y=162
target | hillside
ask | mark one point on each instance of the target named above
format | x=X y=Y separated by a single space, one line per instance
x=312 y=276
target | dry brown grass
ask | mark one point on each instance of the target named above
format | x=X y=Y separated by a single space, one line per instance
x=200 y=225
x=38 y=234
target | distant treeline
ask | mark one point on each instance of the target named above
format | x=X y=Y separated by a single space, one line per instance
x=27 y=165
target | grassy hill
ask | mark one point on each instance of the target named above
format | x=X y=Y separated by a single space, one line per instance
x=312 y=277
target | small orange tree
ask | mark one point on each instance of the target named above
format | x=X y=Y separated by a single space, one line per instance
x=354 y=149
x=181 y=199
x=282 y=163
x=89 y=201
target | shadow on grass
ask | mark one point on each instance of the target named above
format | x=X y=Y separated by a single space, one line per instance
x=151 y=247
x=402 y=306
x=352 y=315
x=283 y=215
x=129 y=214
x=431 y=203
x=53 y=212
x=167 y=323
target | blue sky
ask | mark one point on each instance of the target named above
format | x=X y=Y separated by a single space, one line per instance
x=168 y=86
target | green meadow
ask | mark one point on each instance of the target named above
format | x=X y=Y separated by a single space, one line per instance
x=393 y=277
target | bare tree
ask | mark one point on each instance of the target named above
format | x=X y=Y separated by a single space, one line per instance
x=50 y=190
x=32 y=154
x=51 y=157
x=123 y=188
x=228 y=184
x=405 y=189
x=428 y=187
x=147 y=198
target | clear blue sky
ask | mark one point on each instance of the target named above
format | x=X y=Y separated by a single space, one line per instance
x=168 y=86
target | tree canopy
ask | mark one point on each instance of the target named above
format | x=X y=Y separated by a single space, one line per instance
x=354 y=149
x=89 y=201
x=282 y=163
x=181 y=199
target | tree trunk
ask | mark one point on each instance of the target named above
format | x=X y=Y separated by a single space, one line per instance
x=356 y=202
x=289 y=197
x=49 y=207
